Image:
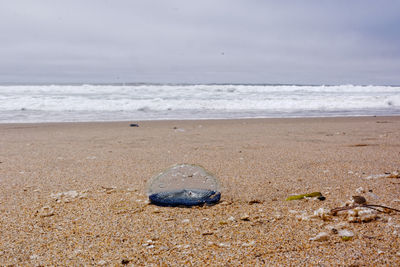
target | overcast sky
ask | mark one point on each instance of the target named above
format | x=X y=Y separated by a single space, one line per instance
x=207 y=41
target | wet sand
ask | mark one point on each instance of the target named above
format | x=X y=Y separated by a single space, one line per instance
x=75 y=193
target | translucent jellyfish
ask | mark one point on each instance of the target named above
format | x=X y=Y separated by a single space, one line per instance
x=184 y=185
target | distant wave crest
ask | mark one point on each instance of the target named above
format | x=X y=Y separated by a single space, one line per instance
x=121 y=102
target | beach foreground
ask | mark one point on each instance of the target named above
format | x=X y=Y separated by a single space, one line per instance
x=75 y=193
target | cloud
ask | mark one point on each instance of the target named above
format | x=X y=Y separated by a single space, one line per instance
x=330 y=42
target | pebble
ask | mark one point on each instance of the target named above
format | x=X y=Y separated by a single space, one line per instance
x=224 y=245
x=46 y=211
x=323 y=236
x=149 y=244
x=303 y=217
x=125 y=261
x=101 y=262
x=207 y=233
x=336 y=227
x=186 y=221
x=359 y=199
x=245 y=217
x=156 y=210
x=67 y=196
x=33 y=257
x=108 y=190
x=231 y=219
x=346 y=234
x=360 y=190
x=251 y=243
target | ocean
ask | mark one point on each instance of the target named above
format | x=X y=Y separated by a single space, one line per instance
x=137 y=102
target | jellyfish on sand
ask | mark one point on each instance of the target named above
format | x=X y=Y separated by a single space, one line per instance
x=184 y=185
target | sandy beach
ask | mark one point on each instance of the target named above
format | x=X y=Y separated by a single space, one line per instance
x=75 y=193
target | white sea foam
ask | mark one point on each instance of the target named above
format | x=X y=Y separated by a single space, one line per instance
x=40 y=103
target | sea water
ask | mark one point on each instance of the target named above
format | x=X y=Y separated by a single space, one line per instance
x=135 y=102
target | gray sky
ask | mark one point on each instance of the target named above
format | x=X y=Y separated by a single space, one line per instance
x=207 y=41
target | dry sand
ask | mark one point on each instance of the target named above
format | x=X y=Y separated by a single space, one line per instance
x=105 y=219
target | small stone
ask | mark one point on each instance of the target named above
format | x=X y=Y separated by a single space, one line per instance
x=231 y=219
x=186 y=221
x=156 y=210
x=108 y=190
x=359 y=199
x=224 y=245
x=101 y=262
x=323 y=236
x=207 y=233
x=245 y=217
x=334 y=228
x=66 y=196
x=346 y=234
x=360 y=190
x=34 y=257
x=46 y=211
x=249 y=244
x=303 y=217
x=125 y=261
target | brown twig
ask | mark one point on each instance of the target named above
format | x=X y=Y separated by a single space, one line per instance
x=370 y=206
x=380 y=206
x=336 y=210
